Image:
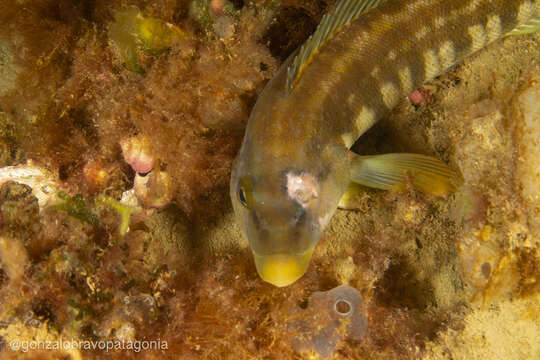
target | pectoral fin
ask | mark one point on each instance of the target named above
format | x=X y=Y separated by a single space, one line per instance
x=531 y=26
x=350 y=200
x=392 y=171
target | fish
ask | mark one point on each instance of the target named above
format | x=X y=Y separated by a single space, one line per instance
x=295 y=164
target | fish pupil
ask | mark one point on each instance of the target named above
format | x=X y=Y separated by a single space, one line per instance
x=242 y=197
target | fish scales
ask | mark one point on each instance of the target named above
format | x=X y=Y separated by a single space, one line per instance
x=294 y=165
x=384 y=55
x=392 y=50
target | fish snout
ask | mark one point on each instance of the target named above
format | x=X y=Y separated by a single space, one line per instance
x=282 y=269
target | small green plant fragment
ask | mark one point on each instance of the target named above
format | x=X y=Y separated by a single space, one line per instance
x=125 y=212
x=132 y=31
x=121 y=33
x=76 y=207
x=155 y=36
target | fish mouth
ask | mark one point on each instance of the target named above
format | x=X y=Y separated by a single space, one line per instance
x=282 y=269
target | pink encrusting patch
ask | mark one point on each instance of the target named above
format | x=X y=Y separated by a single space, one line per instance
x=420 y=96
x=302 y=188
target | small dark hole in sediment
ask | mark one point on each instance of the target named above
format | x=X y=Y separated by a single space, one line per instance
x=343 y=307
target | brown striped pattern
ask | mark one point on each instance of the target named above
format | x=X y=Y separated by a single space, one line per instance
x=370 y=65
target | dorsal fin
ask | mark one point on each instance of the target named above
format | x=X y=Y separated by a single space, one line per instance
x=341 y=15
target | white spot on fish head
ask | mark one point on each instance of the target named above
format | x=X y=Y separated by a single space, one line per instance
x=302 y=187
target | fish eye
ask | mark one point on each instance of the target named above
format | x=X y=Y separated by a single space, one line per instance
x=245 y=192
x=242 y=197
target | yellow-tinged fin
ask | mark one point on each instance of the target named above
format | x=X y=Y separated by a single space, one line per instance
x=531 y=26
x=343 y=14
x=392 y=171
x=350 y=200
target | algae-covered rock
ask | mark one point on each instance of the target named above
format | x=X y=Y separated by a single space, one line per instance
x=422 y=277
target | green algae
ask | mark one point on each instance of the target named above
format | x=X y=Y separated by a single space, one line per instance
x=131 y=31
x=76 y=207
x=124 y=211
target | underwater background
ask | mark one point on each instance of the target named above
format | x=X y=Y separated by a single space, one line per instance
x=119 y=123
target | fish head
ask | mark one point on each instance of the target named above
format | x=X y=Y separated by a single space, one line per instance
x=276 y=214
x=282 y=210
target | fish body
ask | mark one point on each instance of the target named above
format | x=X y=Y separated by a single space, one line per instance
x=295 y=165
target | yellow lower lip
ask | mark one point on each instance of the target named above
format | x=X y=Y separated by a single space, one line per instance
x=282 y=269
